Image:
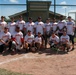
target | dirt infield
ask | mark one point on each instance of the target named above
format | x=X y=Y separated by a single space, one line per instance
x=45 y=63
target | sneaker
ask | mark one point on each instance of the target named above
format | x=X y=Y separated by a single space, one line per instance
x=13 y=52
x=33 y=49
x=26 y=50
x=67 y=49
x=4 y=51
x=72 y=49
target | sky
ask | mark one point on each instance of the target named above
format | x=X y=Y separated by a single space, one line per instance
x=7 y=10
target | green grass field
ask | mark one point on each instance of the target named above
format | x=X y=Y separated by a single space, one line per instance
x=5 y=72
x=75 y=39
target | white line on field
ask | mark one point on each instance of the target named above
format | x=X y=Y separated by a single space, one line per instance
x=25 y=56
x=13 y=59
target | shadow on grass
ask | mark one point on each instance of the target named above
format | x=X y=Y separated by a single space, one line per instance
x=5 y=72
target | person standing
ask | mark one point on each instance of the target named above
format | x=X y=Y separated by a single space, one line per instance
x=30 y=26
x=12 y=26
x=40 y=27
x=48 y=30
x=2 y=24
x=61 y=26
x=70 y=30
x=21 y=23
x=55 y=26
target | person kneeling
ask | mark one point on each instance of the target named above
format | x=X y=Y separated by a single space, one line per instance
x=38 y=41
x=5 y=40
x=29 y=42
x=54 y=41
x=17 y=40
x=64 y=41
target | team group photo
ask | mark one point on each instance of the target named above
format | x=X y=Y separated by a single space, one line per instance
x=37 y=37
x=34 y=36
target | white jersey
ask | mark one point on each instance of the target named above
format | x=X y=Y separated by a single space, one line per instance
x=54 y=26
x=18 y=36
x=30 y=26
x=21 y=24
x=70 y=27
x=64 y=38
x=48 y=26
x=39 y=27
x=29 y=39
x=5 y=36
x=61 y=24
x=56 y=38
x=38 y=39
x=11 y=26
x=2 y=25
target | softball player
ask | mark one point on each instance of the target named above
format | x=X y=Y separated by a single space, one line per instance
x=40 y=27
x=21 y=23
x=61 y=26
x=29 y=41
x=55 y=26
x=65 y=41
x=5 y=40
x=38 y=41
x=17 y=40
x=70 y=30
x=48 y=30
x=12 y=26
x=2 y=24
x=30 y=25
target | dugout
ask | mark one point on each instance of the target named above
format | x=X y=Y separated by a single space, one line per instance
x=35 y=9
